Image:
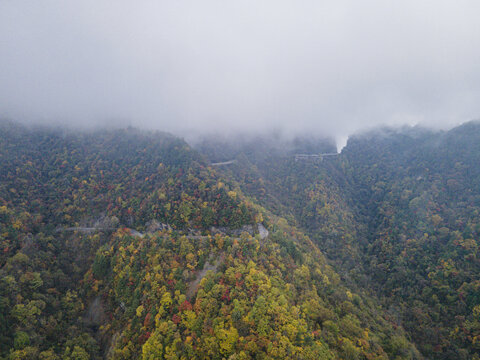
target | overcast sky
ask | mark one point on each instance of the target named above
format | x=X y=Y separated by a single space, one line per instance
x=331 y=67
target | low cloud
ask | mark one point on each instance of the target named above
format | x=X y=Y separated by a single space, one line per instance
x=330 y=67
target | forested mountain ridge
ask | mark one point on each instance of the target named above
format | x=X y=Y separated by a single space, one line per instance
x=398 y=213
x=125 y=244
x=122 y=244
x=422 y=197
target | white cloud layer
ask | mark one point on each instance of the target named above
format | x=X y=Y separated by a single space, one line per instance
x=331 y=67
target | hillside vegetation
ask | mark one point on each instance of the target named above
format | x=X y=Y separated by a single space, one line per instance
x=397 y=213
x=123 y=245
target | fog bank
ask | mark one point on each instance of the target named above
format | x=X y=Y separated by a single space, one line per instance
x=188 y=67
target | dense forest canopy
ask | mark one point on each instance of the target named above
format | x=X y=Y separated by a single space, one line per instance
x=397 y=212
x=125 y=244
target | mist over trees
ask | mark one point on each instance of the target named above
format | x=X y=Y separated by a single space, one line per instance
x=239 y=180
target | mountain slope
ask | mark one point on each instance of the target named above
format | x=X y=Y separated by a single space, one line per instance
x=421 y=191
x=122 y=244
x=397 y=214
